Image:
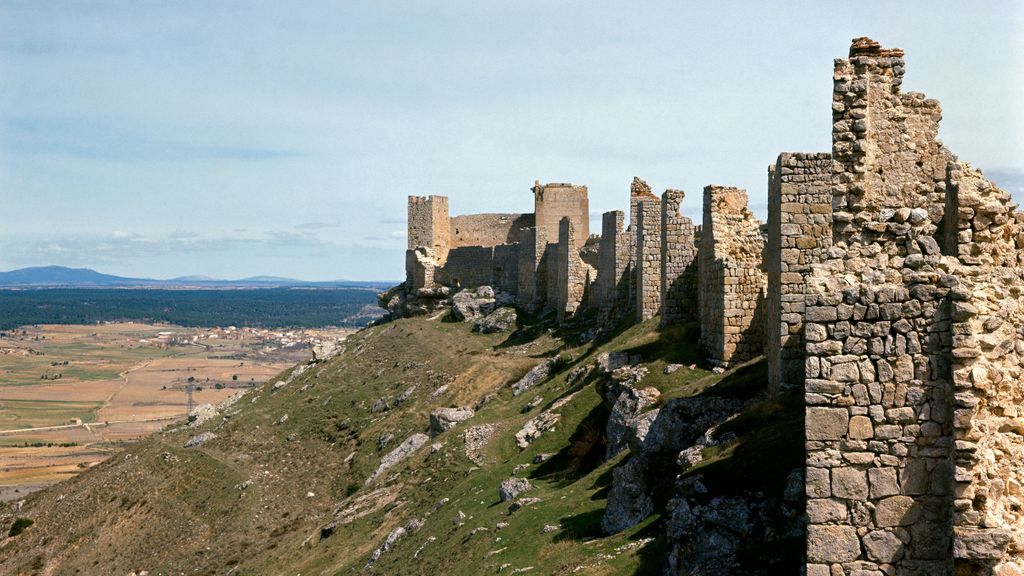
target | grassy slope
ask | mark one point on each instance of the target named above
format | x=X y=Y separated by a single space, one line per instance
x=168 y=509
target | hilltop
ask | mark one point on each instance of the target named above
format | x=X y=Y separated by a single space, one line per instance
x=280 y=484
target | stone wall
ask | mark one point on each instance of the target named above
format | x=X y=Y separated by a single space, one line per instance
x=420 y=265
x=884 y=140
x=467 y=266
x=529 y=277
x=488 y=229
x=648 y=260
x=612 y=285
x=678 y=261
x=799 y=235
x=912 y=454
x=639 y=195
x=571 y=274
x=429 y=225
x=555 y=201
x=731 y=281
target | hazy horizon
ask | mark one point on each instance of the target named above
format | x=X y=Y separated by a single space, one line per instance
x=163 y=140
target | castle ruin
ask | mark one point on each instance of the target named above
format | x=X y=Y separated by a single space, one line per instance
x=887 y=284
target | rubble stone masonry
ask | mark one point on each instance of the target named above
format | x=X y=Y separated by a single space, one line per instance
x=648 y=259
x=799 y=235
x=731 y=281
x=913 y=390
x=612 y=286
x=678 y=261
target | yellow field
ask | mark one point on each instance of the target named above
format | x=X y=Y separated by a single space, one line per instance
x=71 y=396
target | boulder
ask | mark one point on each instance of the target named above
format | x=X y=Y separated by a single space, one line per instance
x=535 y=427
x=501 y=320
x=403 y=451
x=471 y=304
x=512 y=488
x=536 y=374
x=325 y=351
x=629 y=501
x=444 y=419
x=624 y=417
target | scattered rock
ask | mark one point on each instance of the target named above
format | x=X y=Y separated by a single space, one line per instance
x=460 y=519
x=200 y=439
x=403 y=451
x=549 y=528
x=476 y=439
x=501 y=320
x=536 y=374
x=542 y=457
x=512 y=488
x=379 y=406
x=395 y=535
x=609 y=362
x=623 y=420
x=471 y=304
x=444 y=419
x=535 y=427
x=404 y=396
x=670 y=368
x=384 y=440
x=201 y=414
x=522 y=502
x=324 y=351
x=536 y=401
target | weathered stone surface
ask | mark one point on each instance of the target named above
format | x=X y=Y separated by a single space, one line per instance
x=883 y=547
x=629 y=501
x=536 y=375
x=849 y=483
x=471 y=304
x=511 y=489
x=826 y=423
x=501 y=320
x=832 y=544
x=403 y=451
x=444 y=419
x=896 y=511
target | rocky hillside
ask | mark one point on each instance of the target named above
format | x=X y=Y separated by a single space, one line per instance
x=426 y=446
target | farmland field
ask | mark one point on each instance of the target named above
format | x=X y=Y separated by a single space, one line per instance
x=73 y=395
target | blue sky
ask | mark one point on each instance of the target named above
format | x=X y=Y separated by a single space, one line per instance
x=239 y=138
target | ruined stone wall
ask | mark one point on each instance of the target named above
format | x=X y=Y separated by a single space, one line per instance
x=488 y=229
x=884 y=140
x=420 y=265
x=913 y=462
x=552 y=202
x=678 y=261
x=732 y=283
x=528 y=280
x=988 y=422
x=468 y=266
x=985 y=233
x=639 y=195
x=612 y=285
x=570 y=273
x=648 y=259
x=505 y=268
x=429 y=225
x=799 y=235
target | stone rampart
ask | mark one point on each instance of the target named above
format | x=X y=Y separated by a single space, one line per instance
x=799 y=235
x=678 y=261
x=648 y=260
x=913 y=461
x=488 y=229
x=732 y=283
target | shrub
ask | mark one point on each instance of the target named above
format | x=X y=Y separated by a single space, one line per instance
x=19 y=526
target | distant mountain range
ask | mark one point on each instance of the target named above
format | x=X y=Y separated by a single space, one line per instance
x=60 y=276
